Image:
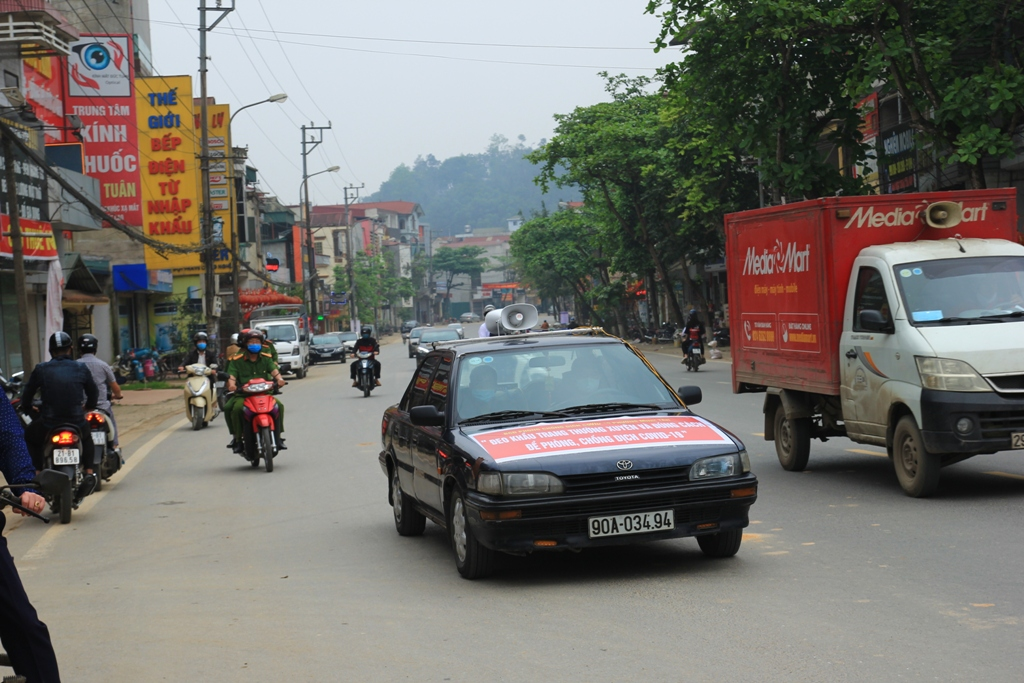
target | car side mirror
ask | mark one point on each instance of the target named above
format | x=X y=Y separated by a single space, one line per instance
x=426 y=416
x=690 y=395
x=52 y=483
x=873 y=321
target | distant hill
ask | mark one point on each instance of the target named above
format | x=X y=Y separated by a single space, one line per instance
x=479 y=190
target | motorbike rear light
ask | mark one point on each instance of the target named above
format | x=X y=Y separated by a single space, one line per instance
x=95 y=419
x=64 y=438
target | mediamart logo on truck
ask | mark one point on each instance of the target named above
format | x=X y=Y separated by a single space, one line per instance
x=867 y=216
x=782 y=259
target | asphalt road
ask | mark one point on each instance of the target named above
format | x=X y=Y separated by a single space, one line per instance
x=195 y=567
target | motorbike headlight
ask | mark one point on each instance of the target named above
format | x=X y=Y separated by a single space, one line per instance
x=714 y=467
x=946 y=374
x=519 y=484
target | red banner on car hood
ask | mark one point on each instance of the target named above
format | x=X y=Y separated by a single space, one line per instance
x=560 y=438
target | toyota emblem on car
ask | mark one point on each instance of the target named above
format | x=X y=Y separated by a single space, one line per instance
x=624 y=464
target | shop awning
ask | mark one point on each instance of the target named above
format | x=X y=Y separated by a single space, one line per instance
x=77 y=275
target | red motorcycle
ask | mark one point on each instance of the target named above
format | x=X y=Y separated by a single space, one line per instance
x=260 y=412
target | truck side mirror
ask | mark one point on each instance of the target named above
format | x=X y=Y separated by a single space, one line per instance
x=873 y=321
x=426 y=416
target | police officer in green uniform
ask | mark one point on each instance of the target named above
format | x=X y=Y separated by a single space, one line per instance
x=252 y=361
x=268 y=345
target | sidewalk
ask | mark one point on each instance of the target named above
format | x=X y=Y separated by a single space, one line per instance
x=143 y=409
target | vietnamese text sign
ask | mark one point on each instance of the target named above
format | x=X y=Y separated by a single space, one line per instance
x=169 y=179
x=218 y=117
x=37 y=242
x=100 y=94
x=561 y=438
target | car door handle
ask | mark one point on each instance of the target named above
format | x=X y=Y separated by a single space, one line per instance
x=851 y=354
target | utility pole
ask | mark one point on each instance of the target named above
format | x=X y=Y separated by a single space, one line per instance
x=308 y=145
x=210 y=278
x=17 y=251
x=353 y=310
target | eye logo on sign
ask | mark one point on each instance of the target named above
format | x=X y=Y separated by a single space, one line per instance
x=95 y=57
x=624 y=464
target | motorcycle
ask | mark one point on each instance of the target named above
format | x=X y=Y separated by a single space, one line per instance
x=63 y=451
x=259 y=441
x=12 y=387
x=201 y=402
x=364 y=372
x=721 y=335
x=694 y=357
x=107 y=459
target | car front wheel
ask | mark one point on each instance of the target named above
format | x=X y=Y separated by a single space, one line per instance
x=723 y=544
x=473 y=560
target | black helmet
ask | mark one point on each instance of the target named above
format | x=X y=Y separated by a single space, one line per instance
x=200 y=336
x=250 y=334
x=87 y=343
x=366 y=331
x=60 y=342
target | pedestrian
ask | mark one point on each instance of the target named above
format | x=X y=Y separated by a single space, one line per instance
x=24 y=637
x=544 y=327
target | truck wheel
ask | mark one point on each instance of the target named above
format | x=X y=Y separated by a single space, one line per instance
x=792 y=440
x=916 y=469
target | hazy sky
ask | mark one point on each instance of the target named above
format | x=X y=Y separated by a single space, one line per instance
x=400 y=78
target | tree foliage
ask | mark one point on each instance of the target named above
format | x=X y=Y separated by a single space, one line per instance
x=461 y=261
x=479 y=190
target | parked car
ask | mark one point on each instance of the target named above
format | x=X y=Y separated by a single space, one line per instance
x=458 y=328
x=435 y=335
x=414 y=339
x=469 y=318
x=348 y=339
x=407 y=328
x=528 y=443
x=326 y=347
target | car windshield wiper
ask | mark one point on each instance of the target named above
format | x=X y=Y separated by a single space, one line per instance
x=1000 y=316
x=503 y=415
x=955 y=319
x=603 y=407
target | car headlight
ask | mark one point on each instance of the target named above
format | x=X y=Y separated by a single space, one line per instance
x=518 y=483
x=946 y=374
x=716 y=466
x=744 y=462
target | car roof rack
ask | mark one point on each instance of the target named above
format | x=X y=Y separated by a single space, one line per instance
x=578 y=331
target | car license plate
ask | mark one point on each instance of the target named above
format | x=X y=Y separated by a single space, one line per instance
x=1017 y=440
x=99 y=438
x=65 y=456
x=636 y=523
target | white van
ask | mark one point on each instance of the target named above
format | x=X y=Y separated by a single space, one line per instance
x=288 y=335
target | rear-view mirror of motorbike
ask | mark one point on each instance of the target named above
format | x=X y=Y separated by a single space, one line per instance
x=426 y=416
x=52 y=482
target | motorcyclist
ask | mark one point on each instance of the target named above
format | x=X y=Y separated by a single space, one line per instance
x=366 y=342
x=252 y=362
x=62 y=384
x=201 y=353
x=693 y=333
x=103 y=376
x=233 y=348
x=483 y=331
x=268 y=345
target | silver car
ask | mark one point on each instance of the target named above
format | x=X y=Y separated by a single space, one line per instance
x=414 y=339
x=458 y=328
x=428 y=338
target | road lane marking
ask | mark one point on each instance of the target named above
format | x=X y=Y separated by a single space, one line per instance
x=862 y=451
x=41 y=548
x=758 y=433
x=1007 y=474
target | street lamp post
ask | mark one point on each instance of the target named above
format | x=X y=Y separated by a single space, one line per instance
x=309 y=233
x=237 y=308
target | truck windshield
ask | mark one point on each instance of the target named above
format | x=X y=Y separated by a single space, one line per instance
x=281 y=333
x=963 y=291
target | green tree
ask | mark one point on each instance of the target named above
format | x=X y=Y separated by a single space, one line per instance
x=461 y=261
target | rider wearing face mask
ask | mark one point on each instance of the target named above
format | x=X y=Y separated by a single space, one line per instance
x=201 y=352
x=252 y=362
x=366 y=342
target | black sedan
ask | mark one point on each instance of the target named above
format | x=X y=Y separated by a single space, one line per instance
x=558 y=442
x=326 y=347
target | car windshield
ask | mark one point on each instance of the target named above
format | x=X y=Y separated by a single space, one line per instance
x=348 y=336
x=417 y=331
x=556 y=379
x=325 y=339
x=281 y=333
x=963 y=291
x=438 y=335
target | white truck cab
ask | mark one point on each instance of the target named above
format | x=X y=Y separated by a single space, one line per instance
x=285 y=330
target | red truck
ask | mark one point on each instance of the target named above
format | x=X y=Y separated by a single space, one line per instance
x=894 y=320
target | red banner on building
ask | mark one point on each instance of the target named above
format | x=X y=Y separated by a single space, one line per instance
x=37 y=242
x=101 y=92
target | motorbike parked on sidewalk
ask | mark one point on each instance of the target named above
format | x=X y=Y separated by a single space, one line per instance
x=12 y=387
x=364 y=372
x=259 y=435
x=107 y=459
x=201 y=403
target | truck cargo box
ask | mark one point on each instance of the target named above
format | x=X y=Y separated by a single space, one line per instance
x=789 y=269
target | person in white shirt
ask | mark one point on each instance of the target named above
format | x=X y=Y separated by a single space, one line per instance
x=484 y=332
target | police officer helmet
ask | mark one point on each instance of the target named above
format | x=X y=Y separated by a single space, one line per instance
x=251 y=334
x=87 y=343
x=488 y=308
x=60 y=342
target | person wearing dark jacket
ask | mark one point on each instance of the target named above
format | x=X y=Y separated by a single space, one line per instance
x=64 y=387
x=24 y=637
x=366 y=343
x=201 y=352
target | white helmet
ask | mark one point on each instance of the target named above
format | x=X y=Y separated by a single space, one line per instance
x=234 y=338
x=488 y=308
